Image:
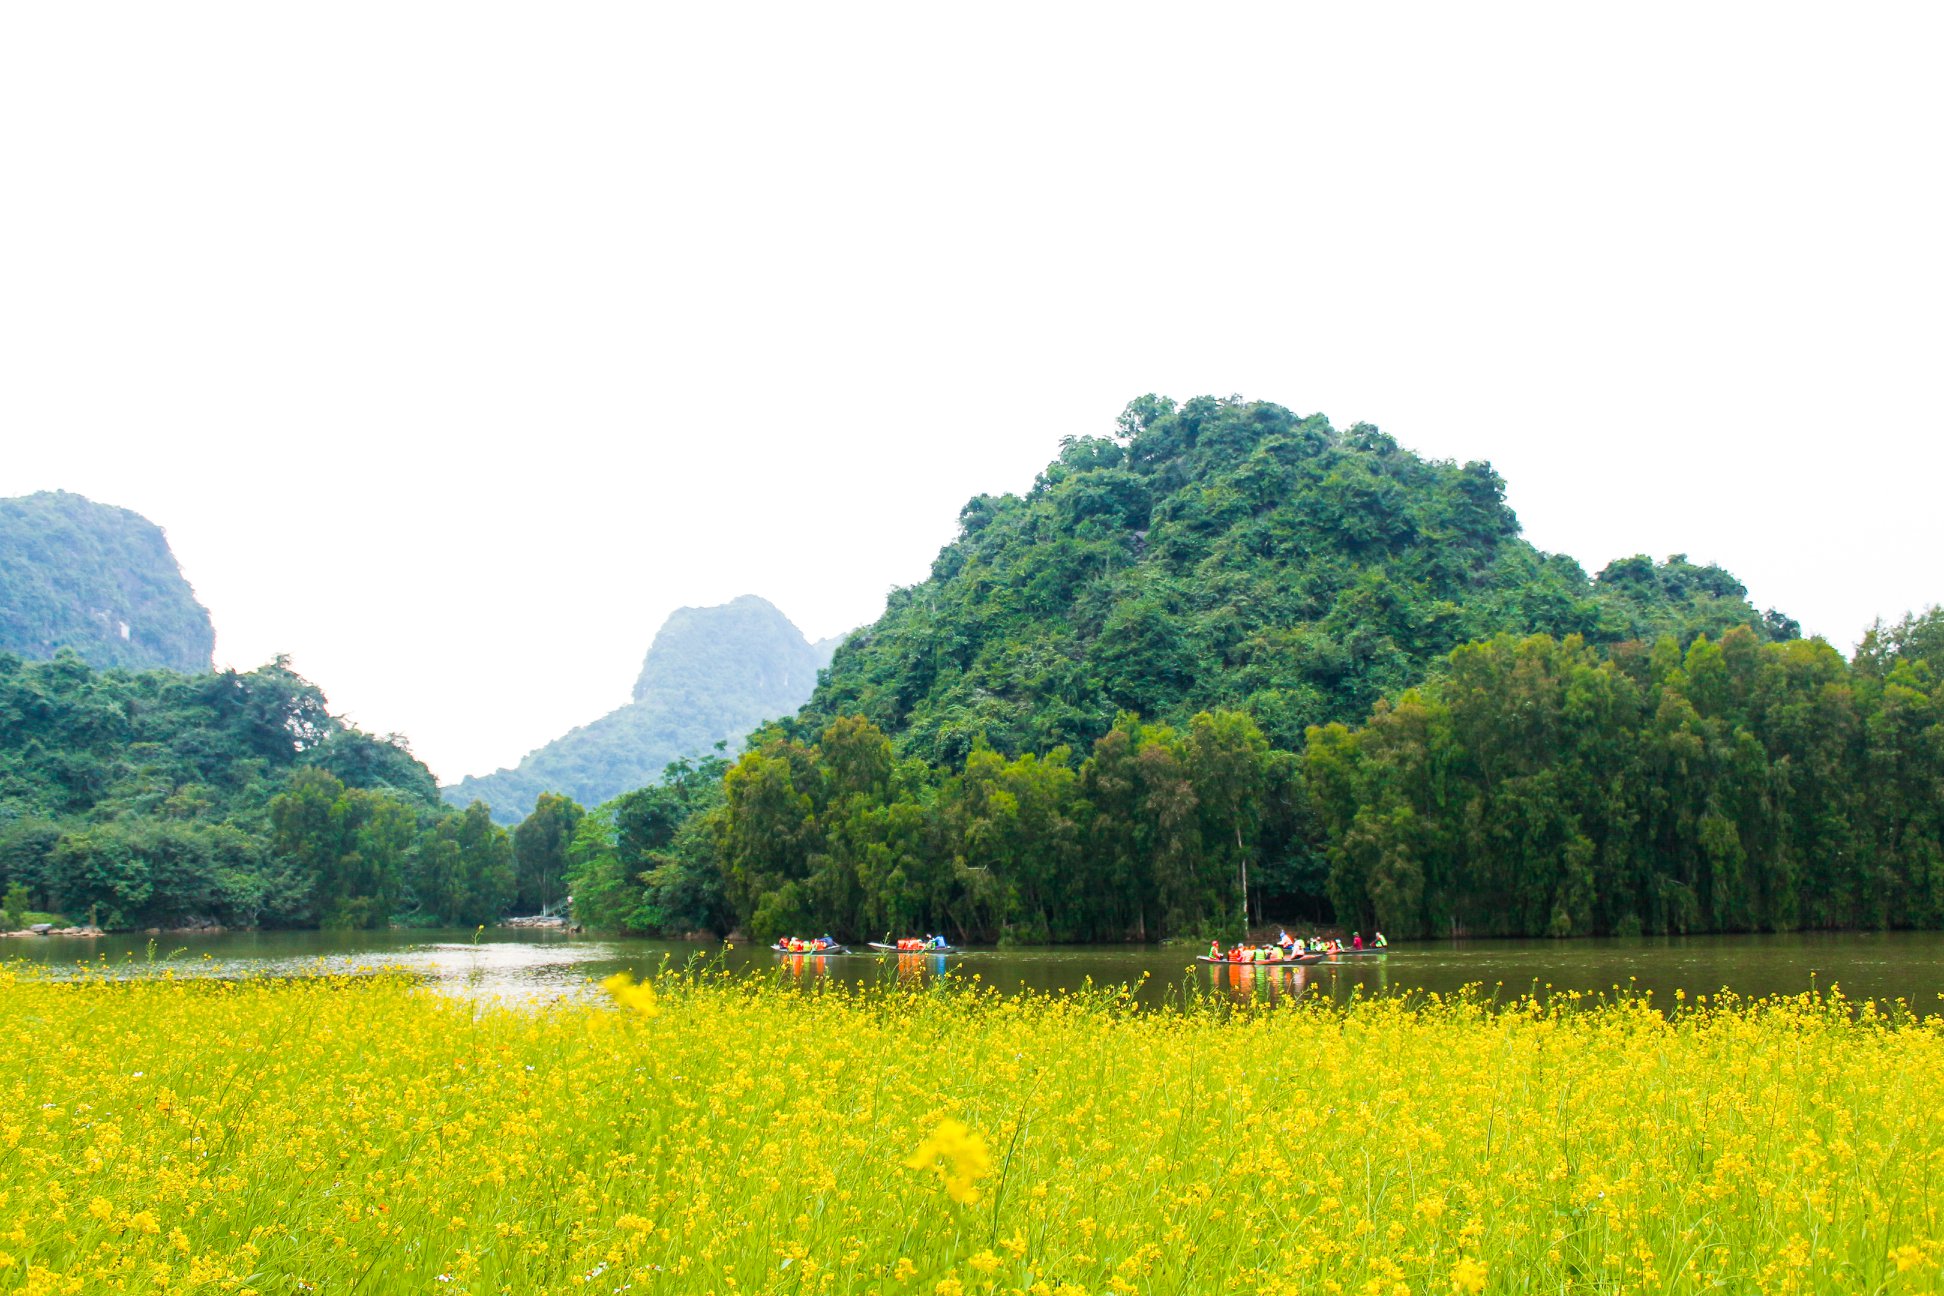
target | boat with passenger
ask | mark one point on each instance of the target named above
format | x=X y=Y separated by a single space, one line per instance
x=915 y=945
x=824 y=945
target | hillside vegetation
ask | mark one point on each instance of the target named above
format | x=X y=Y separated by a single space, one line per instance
x=156 y=798
x=1088 y=722
x=711 y=676
x=1229 y=554
x=96 y=579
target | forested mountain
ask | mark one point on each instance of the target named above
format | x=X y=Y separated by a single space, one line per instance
x=1229 y=554
x=157 y=798
x=99 y=580
x=711 y=675
x=1088 y=722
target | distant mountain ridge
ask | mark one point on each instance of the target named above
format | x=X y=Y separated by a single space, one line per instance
x=97 y=579
x=711 y=675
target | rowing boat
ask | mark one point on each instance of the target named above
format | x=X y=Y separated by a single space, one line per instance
x=883 y=948
x=816 y=953
x=1374 y=951
x=1299 y=961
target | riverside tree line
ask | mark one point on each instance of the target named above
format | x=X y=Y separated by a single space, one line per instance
x=153 y=798
x=1532 y=787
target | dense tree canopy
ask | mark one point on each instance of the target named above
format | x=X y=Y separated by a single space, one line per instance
x=1159 y=830
x=1533 y=787
x=646 y=861
x=1228 y=555
x=156 y=798
x=1536 y=788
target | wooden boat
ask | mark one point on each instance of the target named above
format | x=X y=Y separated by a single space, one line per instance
x=883 y=948
x=816 y=953
x=1301 y=960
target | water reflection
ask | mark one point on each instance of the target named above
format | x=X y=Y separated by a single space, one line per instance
x=1256 y=983
x=527 y=966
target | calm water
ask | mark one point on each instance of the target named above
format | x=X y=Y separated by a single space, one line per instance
x=534 y=967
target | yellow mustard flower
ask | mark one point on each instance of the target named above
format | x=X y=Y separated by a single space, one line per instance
x=629 y=993
x=959 y=1155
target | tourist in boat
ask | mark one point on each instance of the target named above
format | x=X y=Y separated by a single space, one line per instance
x=1214 y=949
x=1356 y=940
x=1379 y=942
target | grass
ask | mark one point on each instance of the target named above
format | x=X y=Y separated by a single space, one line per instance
x=344 y=1134
x=30 y=917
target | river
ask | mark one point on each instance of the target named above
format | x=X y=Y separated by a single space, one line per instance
x=525 y=966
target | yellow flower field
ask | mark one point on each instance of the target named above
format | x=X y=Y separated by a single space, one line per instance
x=345 y=1134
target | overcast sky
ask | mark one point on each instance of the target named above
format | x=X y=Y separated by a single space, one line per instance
x=456 y=345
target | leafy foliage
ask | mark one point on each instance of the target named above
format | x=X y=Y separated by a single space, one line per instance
x=646 y=862
x=540 y=847
x=1535 y=788
x=1228 y=555
x=157 y=799
x=96 y=579
x=711 y=676
x=1159 y=831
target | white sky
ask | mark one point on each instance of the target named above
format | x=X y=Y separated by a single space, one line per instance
x=456 y=344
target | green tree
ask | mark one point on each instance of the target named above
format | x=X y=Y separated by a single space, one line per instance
x=465 y=872
x=1229 y=767
x=350 y=848
x=13 y=910
x=540 y=850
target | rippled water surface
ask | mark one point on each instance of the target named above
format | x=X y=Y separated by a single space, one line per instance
x=528 y=966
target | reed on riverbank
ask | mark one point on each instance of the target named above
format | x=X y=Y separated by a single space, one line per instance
x=718 y=1135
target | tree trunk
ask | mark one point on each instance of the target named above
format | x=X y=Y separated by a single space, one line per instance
x=1242 y=857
